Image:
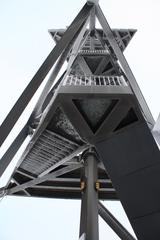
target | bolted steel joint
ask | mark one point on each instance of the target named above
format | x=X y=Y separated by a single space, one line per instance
x=88 y=152
x=83 y=185
x=97 y=186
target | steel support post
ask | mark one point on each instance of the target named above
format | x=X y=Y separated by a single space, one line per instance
x=114 y=223
x=89 y=204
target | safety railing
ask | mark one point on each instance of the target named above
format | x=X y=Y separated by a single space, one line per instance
x=75 y=80
x=95 y=52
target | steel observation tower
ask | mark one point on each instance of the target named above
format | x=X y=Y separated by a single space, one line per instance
x=92 y=135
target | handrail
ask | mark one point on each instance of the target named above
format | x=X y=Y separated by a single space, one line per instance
x=100 y=80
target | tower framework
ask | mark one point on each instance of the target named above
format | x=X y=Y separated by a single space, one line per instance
x=91 y=131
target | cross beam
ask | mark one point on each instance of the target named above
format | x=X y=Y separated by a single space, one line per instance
x=47 y=177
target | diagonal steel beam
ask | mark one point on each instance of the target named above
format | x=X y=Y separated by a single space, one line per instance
x=83 y=237
x=17 y=183
x=75 y=43
x=92 y=20
x=24 y=174
x=83 y=65
x=156 y=130
x=37 y=114
x=92 y=28
x=114 y=223
x=66 y=159
x=34 y=84
x=43 y=124
x=112 y=58
x=114 y=118
x=125 y=65
x=12 y=150
x=102 y=64
x=38 y=108
x=76 y=46
x=47 y=177
x=157 y=125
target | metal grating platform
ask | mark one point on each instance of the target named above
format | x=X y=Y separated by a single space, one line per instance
x=49 y=149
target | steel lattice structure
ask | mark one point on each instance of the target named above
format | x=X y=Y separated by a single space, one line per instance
x=92 y=135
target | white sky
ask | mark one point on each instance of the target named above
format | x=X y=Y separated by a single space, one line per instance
x=25 y=44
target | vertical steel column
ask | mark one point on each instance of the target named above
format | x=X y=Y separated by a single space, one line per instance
x=89 y=205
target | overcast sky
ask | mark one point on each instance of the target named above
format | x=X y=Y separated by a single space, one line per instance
x=25 y=44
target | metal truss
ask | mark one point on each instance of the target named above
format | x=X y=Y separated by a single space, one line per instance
x=61 y=159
